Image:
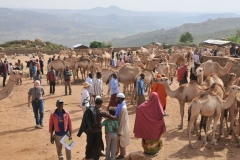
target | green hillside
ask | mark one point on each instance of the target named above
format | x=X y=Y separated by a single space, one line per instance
x=30 y=45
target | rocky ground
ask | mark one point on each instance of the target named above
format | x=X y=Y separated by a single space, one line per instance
x=20 y=140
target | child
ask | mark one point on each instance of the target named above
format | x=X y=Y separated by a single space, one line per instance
x=111 y=135
x=37 y=77
x=34 y=69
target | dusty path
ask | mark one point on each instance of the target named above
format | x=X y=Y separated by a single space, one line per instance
x=20 y=140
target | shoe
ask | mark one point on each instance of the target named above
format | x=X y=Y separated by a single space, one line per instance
x=65 y=94
x=37 y=126
x=165 y=114
x=41 y=125
x=70 y=93
x=120 y=157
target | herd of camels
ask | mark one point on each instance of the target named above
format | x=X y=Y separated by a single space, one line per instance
x=208 y=96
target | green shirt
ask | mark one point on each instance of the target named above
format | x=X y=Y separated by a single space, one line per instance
x=110 y=126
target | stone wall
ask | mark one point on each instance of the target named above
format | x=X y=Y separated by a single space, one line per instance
x=222 y=61
x=12 y=52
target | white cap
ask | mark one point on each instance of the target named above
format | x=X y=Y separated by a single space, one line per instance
x=98 y=97
x=120 y=95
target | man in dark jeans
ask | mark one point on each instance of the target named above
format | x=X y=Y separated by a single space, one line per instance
x=4 y=72
x=41 y=64
x=51 y=77
x=94 y=137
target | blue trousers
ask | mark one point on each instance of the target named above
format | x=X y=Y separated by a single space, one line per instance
x=38 y=107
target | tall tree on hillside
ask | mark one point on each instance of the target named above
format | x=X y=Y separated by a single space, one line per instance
x=186 y=37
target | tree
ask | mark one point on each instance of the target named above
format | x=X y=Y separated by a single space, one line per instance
x=186 y=37
x=95 y=44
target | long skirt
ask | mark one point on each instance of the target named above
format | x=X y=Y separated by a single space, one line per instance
x=113 y=102
x=152 y=146
x=140 y=99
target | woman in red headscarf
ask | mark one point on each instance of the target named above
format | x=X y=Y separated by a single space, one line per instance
x=182 y=73
x=150 y=125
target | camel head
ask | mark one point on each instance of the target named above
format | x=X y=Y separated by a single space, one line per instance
x=233 y=90
x=199 y=71
x=15 y=75
x=163 y=80
x=232 y=61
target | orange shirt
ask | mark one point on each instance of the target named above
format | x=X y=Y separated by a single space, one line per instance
x=160 y=90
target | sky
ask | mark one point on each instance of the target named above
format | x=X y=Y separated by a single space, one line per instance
x=133 y=5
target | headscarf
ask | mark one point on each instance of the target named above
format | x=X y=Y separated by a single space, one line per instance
x=149 y=122
x=181 y=71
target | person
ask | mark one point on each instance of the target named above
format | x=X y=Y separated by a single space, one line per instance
x=85 y=99
x=97 y=86
x=53 y=57
x=123 y=123
x=193 y=76
x=4 y=72
x=149 y=124
x=111 y=127
x=182 y=74
x=195 y=58
x=140 y=90
x=120 y=62
x=162 y=95
x=37 y=77
x=41 y=64
x=113 y=62
x=49 y=60
x=89 y=80
x=67 y=78
x=60 y=122
x=92 y=119
x=34 y=70
x=38 y=65
x=10 y=68
x=114 y=90
x=51 y=77
x=37 y=93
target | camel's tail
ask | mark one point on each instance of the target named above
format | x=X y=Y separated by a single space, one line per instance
x=189 y=112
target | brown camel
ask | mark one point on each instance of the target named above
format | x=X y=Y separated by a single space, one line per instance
x=213 y=67
x=84 y=65
x=211 y=106
x=2 y=55
x=184 y=93
x=13 y=79
x=58 y=65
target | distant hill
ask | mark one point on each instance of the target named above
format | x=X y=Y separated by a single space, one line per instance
x=70 y=27
x=219 y=28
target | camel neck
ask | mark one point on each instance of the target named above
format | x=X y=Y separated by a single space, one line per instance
x=229 y=102
x=225 y=70
x=170 y=92
x=7 y=90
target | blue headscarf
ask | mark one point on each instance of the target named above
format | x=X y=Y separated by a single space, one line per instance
x=119 y=108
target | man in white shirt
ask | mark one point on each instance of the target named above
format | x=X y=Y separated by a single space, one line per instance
x=89 y=80
x=97 y=87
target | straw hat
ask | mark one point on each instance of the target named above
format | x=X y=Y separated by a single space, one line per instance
x=86 y=84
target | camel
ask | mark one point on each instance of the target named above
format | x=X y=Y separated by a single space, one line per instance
x=163 y=69
x=71 y=63
x=149 y=76
x=2 y=55
x=84 y=65
x=107 y=57
x=209 y=105
x=7 y=90
x=184 y=93
x=127 y=75
x=58 y=65
x=214 y=67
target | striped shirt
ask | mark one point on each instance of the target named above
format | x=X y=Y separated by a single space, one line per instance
x=97 y=87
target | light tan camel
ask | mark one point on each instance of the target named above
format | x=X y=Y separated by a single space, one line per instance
x=210 y=106
x=213 y=67
x=13 y=79
x=58 y=65
x=184 y=93
x=71 y=63
x=107 y=57
x=84 y=65
x=163 y=69
x=127 y=75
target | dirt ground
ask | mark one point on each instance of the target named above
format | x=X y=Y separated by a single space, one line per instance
x=20 y=140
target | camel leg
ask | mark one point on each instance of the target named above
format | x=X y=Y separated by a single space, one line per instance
x=232 y=116
x=214 y=129
x=206 y=133
x=182 y=104
x=189 y=133
x=133 y=95
x=108 y=89
x=221 y=124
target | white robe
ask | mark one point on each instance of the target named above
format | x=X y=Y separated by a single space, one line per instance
x=123 y=127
